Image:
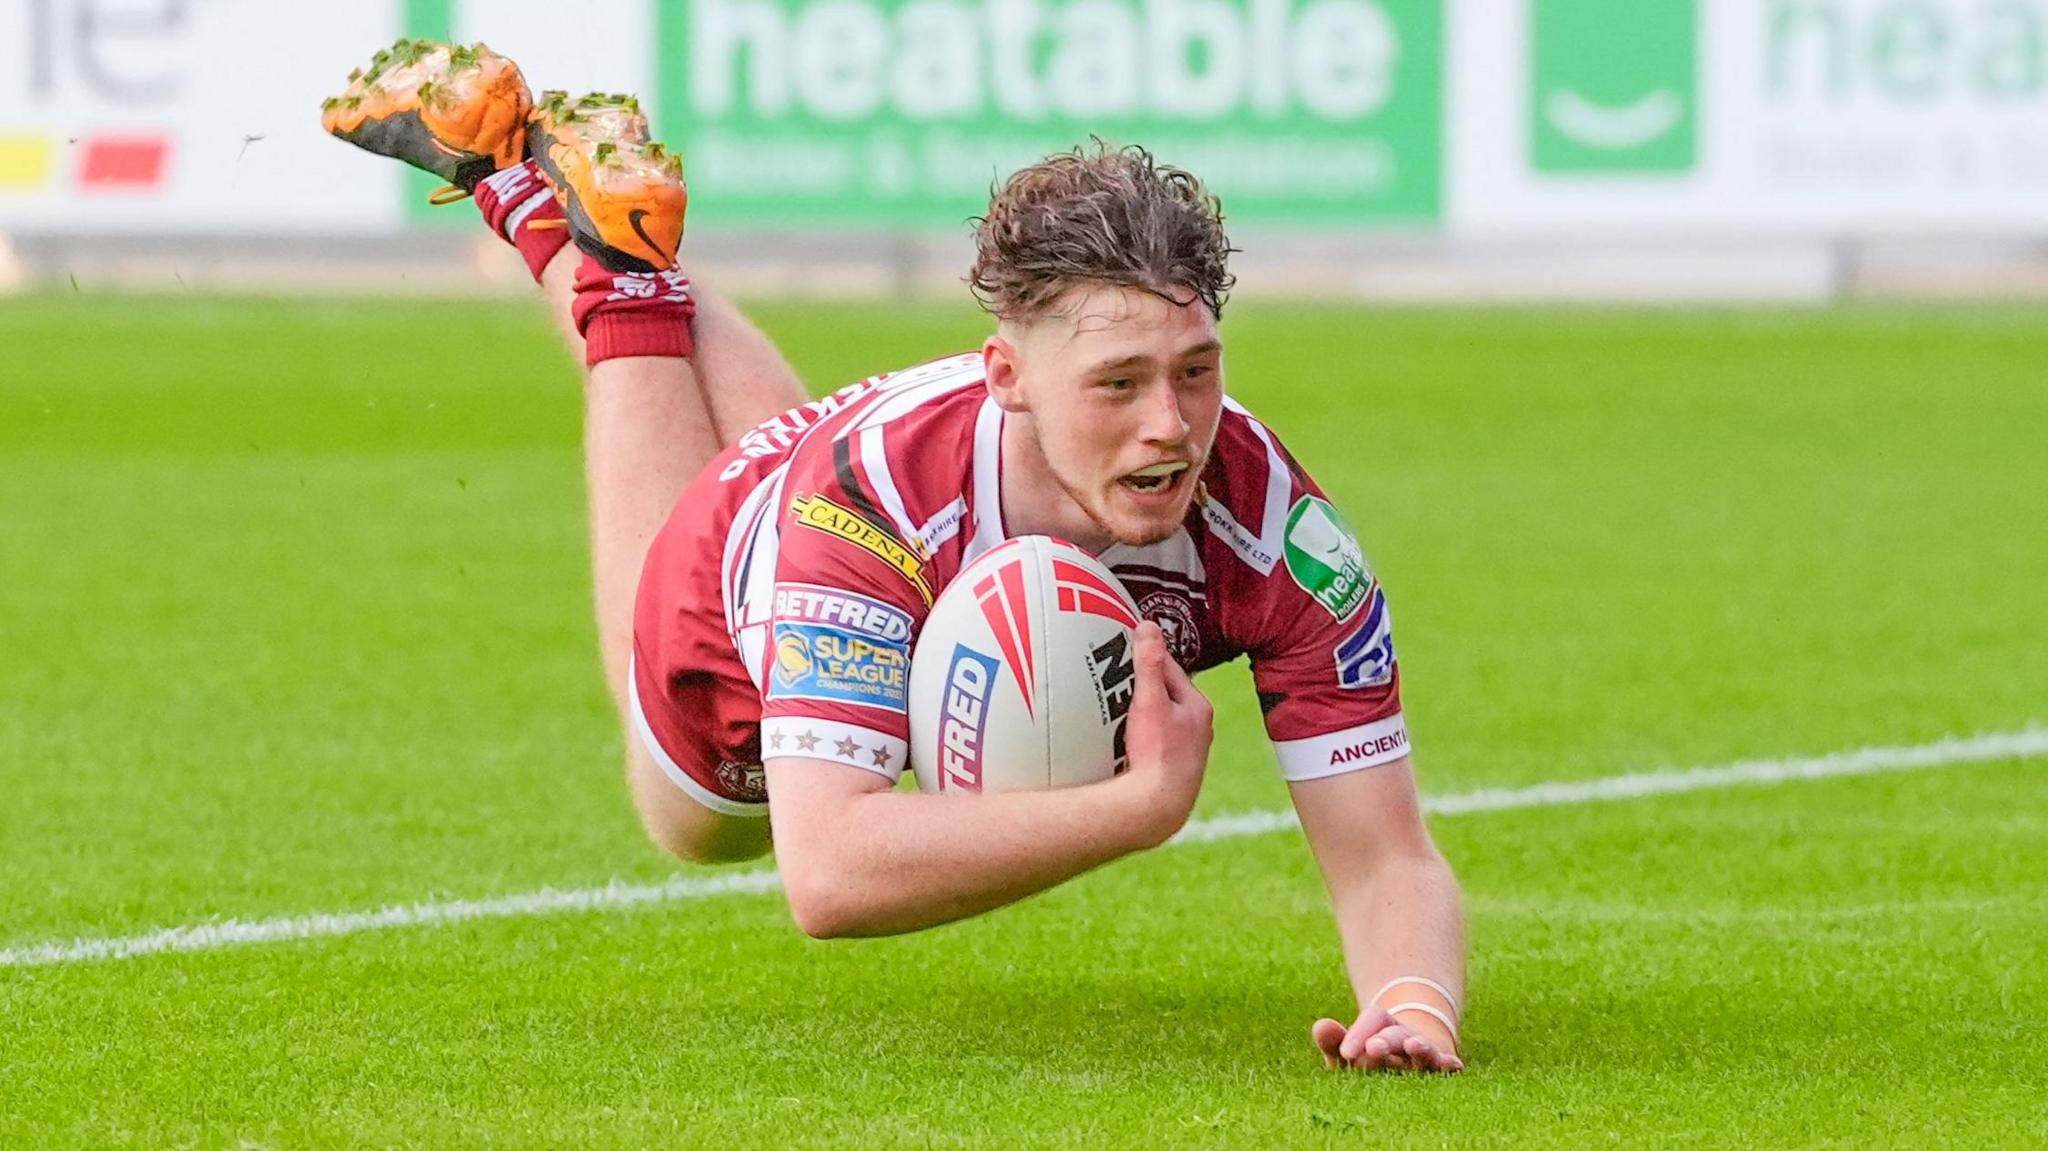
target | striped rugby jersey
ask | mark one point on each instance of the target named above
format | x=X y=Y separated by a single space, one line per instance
x=849 y=515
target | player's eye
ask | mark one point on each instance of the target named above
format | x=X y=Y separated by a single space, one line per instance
x=1197 y=371
x=1120 y=384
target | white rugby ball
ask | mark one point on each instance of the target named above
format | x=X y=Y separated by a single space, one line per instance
x=1023 y=673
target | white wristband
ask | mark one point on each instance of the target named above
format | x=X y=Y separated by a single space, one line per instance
x=1421 y=981
x=1427 y=1010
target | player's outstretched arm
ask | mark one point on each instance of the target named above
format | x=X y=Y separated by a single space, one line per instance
x=1399 y=915
x=860 y=859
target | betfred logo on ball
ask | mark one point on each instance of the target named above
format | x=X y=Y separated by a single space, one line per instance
x=1022 y=675
x=966 y=711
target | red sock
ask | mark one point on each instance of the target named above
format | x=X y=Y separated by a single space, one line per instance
x=633 y=313
x=515 y=199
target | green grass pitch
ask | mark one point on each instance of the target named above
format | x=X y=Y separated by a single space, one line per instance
x=294 y=616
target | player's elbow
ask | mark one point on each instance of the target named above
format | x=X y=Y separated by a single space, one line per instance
x=822 y=909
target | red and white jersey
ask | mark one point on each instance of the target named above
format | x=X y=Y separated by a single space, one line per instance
x=842 y=520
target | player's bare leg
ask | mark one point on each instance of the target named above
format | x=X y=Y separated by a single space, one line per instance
x=648 y=429
x=652 y=420
x=671 y=380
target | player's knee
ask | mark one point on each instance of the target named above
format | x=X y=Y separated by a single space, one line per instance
x=714 y=839
x=687 y=829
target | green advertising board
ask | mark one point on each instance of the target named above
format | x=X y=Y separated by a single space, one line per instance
x=1613 y=86
x=902 y=112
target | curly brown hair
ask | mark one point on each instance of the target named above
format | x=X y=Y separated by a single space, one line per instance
x=1105 y=215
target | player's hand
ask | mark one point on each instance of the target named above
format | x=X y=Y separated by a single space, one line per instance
x=1379 y=1042
x=1166 y=735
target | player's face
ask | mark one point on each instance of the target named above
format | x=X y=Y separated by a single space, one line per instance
x=1125 y=390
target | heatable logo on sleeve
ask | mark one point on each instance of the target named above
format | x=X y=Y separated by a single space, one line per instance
x=1324 y=557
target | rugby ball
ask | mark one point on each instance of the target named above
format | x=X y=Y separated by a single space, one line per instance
x=1023 y=673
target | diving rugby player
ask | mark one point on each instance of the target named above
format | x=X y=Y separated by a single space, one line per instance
x=762 y=562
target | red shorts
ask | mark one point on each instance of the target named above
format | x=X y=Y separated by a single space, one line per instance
x=695 y=709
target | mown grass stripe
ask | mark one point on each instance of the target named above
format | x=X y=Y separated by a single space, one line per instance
x=2027 y=743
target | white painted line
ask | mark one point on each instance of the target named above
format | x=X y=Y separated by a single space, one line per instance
x=2026 y=744
x=242 y=932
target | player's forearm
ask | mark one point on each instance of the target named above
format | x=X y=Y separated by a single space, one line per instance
x=1402 y=918
x=892 y=862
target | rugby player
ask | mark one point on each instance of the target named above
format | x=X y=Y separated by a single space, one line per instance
x=762 y=562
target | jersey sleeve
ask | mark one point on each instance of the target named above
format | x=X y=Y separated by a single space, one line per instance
x=1323 y=652
x=850 y=593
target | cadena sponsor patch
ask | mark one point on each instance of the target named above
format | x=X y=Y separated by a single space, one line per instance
x=1366 y=657
x=814 y=661
x=820 y=514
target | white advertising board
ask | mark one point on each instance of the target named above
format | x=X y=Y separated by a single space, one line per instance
x=1803 y=118
x=1827 y=117
x=153 y=116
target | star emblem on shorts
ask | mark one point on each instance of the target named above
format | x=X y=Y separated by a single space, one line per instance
x=775 y=741
x=846 y=748
x=806 y=742
x=882 y=757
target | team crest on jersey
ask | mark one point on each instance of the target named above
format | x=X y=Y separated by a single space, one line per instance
x=1324 y=557
x=820 y=514
x=746 y=781
x=1366 y=657
x=835 y=665
x=1171 y=609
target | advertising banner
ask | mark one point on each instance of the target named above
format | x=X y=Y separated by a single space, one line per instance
x=150 y=116
x=1480 y=118
x=904 y=111
x=1815 y=117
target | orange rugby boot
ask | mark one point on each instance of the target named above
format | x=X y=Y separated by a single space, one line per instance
x=458 y=112
x=623 y=193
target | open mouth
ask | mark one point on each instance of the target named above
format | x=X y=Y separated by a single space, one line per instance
x=1157 y=480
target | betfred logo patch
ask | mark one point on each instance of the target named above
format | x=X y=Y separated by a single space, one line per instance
x=1324 y=557
x=820 y=514
x=809 y=603
x=965 y=720
x=813 y=661
x=1366 y=657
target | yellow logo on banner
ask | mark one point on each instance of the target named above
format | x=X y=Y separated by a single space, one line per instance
x=25 y=161
x=821 y=514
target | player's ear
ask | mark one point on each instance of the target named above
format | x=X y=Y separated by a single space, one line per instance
x=1000 y=366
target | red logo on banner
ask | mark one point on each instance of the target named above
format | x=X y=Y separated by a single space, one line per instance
x=124 y=161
